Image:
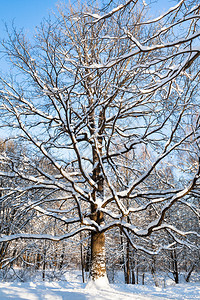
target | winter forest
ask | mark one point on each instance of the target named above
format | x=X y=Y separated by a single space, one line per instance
x=100 y=156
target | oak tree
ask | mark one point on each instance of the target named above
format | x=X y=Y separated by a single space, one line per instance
x=106 y=98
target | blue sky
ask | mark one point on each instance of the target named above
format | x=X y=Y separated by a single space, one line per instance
x=29 y=13
x=25 y=13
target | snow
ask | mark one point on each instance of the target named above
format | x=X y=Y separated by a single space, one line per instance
x=95 y=66
x=72 y=289
x=100 y=284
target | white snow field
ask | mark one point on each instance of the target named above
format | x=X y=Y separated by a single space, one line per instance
x=73 y=289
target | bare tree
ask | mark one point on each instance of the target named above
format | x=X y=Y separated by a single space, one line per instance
x=91 y=94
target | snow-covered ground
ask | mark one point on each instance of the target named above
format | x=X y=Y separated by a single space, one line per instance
x=72 y=289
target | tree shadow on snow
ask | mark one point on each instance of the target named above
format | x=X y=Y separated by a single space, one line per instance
x=37 y=292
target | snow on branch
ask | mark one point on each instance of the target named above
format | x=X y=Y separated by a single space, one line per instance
x=8 y=238
x=110 y=13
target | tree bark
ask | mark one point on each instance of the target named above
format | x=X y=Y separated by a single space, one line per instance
x=98 y=267
x=98 y=256
x=82 y=259
x=127 y=262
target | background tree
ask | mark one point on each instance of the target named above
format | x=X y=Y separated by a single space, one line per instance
x=89 y=93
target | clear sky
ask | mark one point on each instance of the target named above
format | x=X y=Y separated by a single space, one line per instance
x=26 y=13
x=29 y=13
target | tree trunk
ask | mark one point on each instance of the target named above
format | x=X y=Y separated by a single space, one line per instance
x=137 y=274
x=88 y=257
x=132 y=263
x=143 y=278
x=98 y=258
x=133 y=277
x=44 y=265
x=82 y=259
x=187 y=279
x=127 y=262
x=175 y=266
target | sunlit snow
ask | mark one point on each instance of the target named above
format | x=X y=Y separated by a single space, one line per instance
x=71 y=288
